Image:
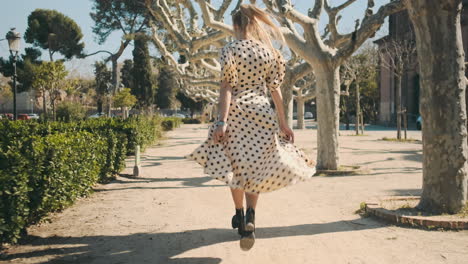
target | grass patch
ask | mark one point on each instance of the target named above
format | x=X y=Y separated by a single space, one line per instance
x=362 y=210
x=408 y=140
x=360 y=135
x=464 y=211
x=343 y=171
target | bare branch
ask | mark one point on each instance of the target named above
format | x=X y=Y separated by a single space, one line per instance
x=368 y=28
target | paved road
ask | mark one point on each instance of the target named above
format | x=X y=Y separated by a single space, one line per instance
x=175 y=214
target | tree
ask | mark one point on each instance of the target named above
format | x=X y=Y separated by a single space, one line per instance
x=103 y=79
x=127 y=74
x=144 y=83
x=305 y=91
x=25 y=68
x=398 y=56
x=55 y=32
x=124 y=99
x=326 y=53
x=6 y=95
x=443 y=106
x=167 y=88
x=126 y=16
x=47 y=80
x=190 y=103
x=359 y=70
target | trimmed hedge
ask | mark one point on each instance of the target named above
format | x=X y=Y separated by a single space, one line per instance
x=170 y=123
x=45 y=167
x=189 y=120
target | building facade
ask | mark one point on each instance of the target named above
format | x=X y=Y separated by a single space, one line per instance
x=400 y=28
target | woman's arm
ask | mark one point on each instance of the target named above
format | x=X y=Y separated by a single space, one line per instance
x=224 y=100
x=278 y=100
x=223 y=110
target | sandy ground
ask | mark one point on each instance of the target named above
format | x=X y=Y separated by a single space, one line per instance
x=175 y=214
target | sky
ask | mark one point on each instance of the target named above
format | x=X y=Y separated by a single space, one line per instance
x=15 y=14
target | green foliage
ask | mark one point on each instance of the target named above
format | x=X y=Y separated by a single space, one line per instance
x=128 y=16
x=126 y=73
x=25 y=68
x=49 y=74
x=45 y=167
x=189 y=103
x=144 y=83
x=189 y=120
x=169 y=123
x=103 y=79
x=167 y=88
x=124 y=98
x=70 y=111
x=53 y=31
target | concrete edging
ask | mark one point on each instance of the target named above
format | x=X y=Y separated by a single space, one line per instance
x=374 y=208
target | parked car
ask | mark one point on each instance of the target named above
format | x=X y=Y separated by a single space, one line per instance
x=33 y=116
x=23 y=117
x=419 y=123
x=308 y=115
x=179 y=115
x=8 y=116
x=97 y=115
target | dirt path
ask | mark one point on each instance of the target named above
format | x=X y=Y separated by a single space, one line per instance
x=175 y=214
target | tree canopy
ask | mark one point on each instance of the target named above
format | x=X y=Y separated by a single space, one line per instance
x=127 y=16
x=55 y=32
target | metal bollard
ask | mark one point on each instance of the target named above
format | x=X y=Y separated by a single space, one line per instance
x=137 y=167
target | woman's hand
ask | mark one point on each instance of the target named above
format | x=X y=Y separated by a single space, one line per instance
x=219 y=133
x=287 y=132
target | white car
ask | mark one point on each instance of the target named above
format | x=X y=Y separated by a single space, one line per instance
x=308 y=115
x=419 y=123
x=97 y=115
x=33 y=116
x=179 y=115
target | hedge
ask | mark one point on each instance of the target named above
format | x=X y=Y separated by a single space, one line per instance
x=45 y=167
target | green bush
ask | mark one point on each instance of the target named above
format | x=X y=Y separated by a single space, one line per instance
x=45 y=167
x=189 y=120
x=70 y=111
x=169 y=123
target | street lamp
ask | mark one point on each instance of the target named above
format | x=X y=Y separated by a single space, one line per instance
x=14 y=41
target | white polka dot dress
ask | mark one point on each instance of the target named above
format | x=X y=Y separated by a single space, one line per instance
x=254 y=155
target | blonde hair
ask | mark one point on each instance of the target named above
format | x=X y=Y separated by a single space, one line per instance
x=248 y=19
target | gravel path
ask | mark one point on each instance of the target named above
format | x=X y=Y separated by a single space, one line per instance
x=175 y=214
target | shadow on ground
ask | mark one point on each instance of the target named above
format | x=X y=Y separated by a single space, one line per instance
x=164 y=247
x=192 y=182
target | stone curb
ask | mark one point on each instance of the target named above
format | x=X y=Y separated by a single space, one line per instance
x=374 y=208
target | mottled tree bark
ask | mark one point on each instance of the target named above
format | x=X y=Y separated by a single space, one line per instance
x=443 y=106
x=328 y=115
x=287 y=93
x=358 y=108
x=398 y=105
x=300 y=113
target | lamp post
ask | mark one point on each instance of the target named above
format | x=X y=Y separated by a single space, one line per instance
x=14 y=41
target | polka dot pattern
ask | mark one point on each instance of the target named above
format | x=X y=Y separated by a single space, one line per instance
x=255 y=155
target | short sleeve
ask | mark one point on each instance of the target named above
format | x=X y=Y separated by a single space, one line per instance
x=276 y=73
x=228 y=66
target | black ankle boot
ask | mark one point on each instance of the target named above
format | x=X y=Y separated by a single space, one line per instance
x=250 y=220
x=248 y=237
x=238 y=221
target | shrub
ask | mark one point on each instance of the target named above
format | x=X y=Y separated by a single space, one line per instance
x=45 y=167
x=70 y=111
x=169 y=123
x=189 y=120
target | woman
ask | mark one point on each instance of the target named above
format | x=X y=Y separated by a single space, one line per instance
x=249 y=147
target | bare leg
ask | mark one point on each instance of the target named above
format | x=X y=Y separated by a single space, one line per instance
x=251 y=199
x=238 y=197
